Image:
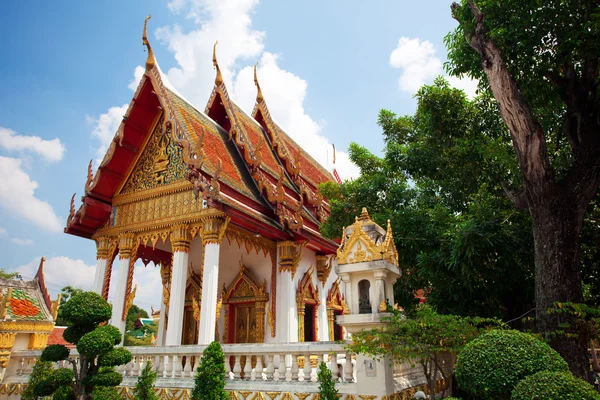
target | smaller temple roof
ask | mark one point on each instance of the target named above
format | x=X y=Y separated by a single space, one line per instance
x=26 y=300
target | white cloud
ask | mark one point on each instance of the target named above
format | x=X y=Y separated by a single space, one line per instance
x=61 y=271
x=51 y=150
x=138 y=72
x=3 y=232
x=419 y=64
x=17 y=195
x=148 y=281
x=21 y=242
x=105 y=128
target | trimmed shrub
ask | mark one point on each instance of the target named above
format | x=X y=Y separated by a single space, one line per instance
x=116 y=356
x=327 y=390
x=490 y=366
x=105 y=393
x=209 y=383
x=41 y=371
x=55 y=352
x=554 y=386
x=144 y=388
x=64 y=393
x=100 y=340
x=87 y=308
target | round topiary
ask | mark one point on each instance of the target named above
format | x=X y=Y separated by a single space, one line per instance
x=107 y=376
x=105 y=393
x=549 y=385
x=54 y=353
x=98 y=341
x=74 y=332
x=87 y=308
x=490 y=366
x=62 y=376
x=114 y=357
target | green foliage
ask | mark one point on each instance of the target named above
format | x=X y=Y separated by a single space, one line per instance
x=66 y=293
x=554 y=386
x=105 y=393
x=209 y=383
x=55 y=352
x=41 y=371
x=327 y=390
x=95 y=344
x=7 y=275
x=490 y=366
x=133 y=314
x=579 y=321
x=100 y=340
x=85 y=309
x=425 y=337
x=113 y=357
x=144 y=388
x=440 y=184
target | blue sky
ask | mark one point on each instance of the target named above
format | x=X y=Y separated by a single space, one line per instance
x=326 y=69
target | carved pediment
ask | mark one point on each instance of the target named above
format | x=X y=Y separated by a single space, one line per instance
x=160 y=163
x=245 y=288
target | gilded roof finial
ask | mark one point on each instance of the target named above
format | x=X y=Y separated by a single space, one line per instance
x=150 y=61
x=364 y=215
x=219 y=78
x=259 y=95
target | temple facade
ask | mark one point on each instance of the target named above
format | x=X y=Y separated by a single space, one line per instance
x=225 y=206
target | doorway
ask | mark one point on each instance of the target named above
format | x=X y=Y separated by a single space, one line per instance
x=245 y=330
x=309 y=322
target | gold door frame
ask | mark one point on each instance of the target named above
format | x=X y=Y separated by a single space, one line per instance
x=307 y=293
x=245 y=289
x=335 y=302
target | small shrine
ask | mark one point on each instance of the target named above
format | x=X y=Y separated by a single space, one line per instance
x=368 y=266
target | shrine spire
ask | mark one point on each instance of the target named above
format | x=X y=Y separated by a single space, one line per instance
x=219 y=77
x=150 y=61
x=259 y=95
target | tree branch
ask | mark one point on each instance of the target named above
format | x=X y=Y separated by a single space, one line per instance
x=526 y=132
x=517 y=197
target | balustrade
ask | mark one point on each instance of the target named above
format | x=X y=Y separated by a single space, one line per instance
x=243 y=362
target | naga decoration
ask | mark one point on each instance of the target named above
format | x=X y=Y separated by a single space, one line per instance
x=151 y=61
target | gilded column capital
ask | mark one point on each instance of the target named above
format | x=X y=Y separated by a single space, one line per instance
x=181 y=238
x=102 y=247
x=213 y=230
x=290 y=254
x=7 y=340
x=126 y=245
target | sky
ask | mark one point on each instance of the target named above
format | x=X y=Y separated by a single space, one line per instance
x=69 y=69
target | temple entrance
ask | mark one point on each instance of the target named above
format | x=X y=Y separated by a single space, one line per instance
x=245 y=323
x=307 y=302
x=310 y=315
x=336 y=305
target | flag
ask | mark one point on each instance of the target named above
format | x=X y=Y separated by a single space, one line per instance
x=335 y=173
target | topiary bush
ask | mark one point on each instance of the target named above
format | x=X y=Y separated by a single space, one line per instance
x=209 y=383
x=490 y=366
x=549 y=385
x=327 y=390
x=41 y=371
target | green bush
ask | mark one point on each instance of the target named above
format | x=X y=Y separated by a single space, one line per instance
x=327 y=390
x=490 y=366
x=209 y=383
x=62 y=376
x=64 y=393
x=73 y=333
x=85 y=309
x=54 y=353
x=116 y=356
x=100 y=340
x=105 y=393
x=41 y=371
x=107 y=376
x=144 y=388
x=548 y=385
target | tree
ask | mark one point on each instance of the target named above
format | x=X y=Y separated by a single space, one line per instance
x=133 y=314
x=94 y=373
x=7 y=275
x=209 y=383
x=41 y=371
x=144 y=388
x=428 y=338
x=542 y=70
x=66 y=293
x=327 y=390
x=439 y=182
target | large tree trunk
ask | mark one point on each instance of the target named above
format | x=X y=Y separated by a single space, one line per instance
x=556 y=229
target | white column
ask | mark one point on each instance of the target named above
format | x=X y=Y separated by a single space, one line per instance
x=161 y=333
x=126 y=243
x=348 y=293
x=379 y=292
x=288 y=257
x=212 y=234
x=180 y=243
x=102 y=247
x=389 y=292
x=322 y=316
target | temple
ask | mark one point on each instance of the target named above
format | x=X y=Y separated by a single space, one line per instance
x=226 y=207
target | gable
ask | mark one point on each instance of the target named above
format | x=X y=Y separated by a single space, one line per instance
x=160 y=163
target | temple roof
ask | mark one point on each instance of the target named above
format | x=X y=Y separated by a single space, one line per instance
x=25 y=300
x=244 y=165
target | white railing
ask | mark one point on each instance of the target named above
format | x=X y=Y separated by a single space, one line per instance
x=282 y=362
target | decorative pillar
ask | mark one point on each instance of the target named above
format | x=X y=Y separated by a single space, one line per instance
x=348 y=292
x=389 y=292
x=331 y=323
x=260 y=321
x=213 y=230
x=7 y=341
x=324 y=264
x=126 y=246
x=180 y=243
x=289 y=255
x=379 y=294
x=102 y=245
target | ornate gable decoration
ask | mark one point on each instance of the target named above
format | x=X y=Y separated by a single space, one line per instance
x=336 y=300
x=160 y=163
x=307 y=292
x=245 y=288
x=366 y=241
